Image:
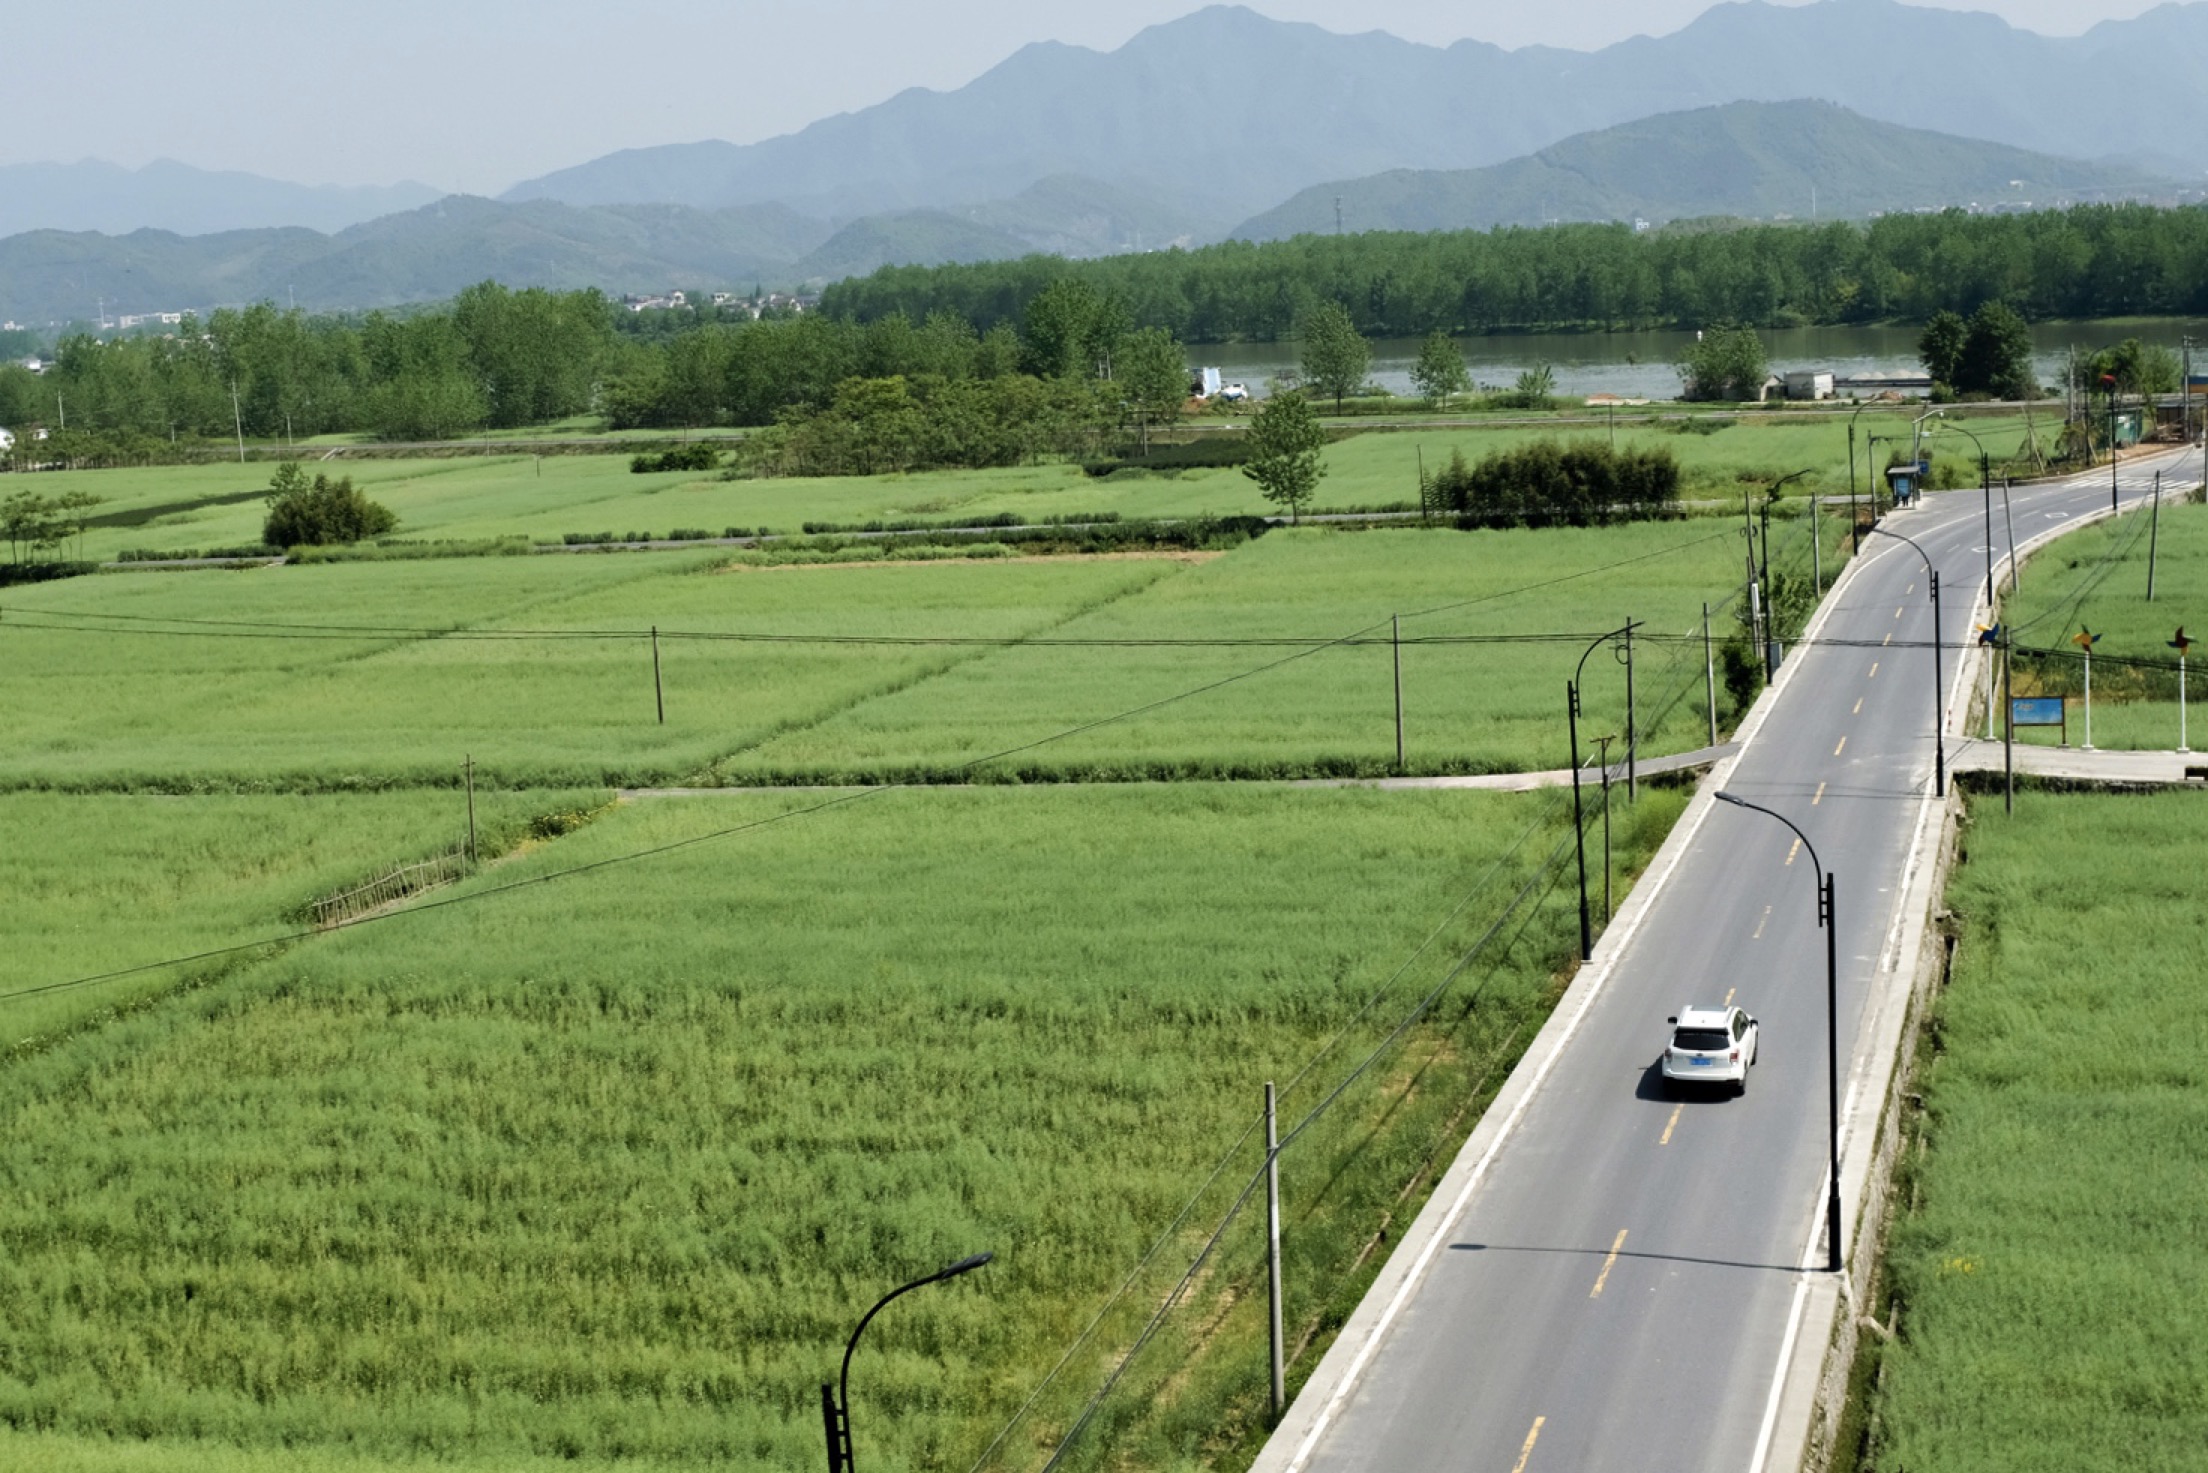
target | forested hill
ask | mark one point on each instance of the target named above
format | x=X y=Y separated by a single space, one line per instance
x=1752 y=159
x=2089 y=261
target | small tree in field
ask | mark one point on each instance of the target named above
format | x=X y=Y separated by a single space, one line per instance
x=1287 y=452
x=1335 y=354
x=1439 y=371
x=321 y=512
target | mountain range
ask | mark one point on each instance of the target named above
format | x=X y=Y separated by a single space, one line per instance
x=1238 y=111
x=167 y=195
x=1222 y=122
x=1742 y=159
x=1757 y=160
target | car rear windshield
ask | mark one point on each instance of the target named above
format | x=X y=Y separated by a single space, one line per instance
x=1701 y=1038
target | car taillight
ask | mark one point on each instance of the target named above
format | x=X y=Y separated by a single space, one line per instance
x=1736 y=1056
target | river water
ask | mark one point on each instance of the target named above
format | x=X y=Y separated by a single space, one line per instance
x=1640 y=365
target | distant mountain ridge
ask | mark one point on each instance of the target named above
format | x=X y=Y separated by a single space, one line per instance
x=167 y=195
x=430 y=253
x=1758 y=160
x=1241 y=111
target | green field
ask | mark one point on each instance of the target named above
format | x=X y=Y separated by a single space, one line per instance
x=474 y=498
x=99 y=883
x=2097 y=579
x=604 y=1168
x=2050 y=1277
x=219 y=679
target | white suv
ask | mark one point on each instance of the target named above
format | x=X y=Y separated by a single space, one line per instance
x=1711 y=1046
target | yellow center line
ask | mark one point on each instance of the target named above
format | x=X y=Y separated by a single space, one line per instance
x=1793 y=851
x=1874 y=667
x=1757 y=937
x=1889 y=639
x=1897 y=610
x=1731 y=990
x=1910 y=591
x=1607 y=1264
x=1858 y=711
x=1527 y=1451
x=1673 y=1123
x=1821 y=787
x=1837 y=750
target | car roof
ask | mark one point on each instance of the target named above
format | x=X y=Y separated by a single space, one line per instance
x=1705 y=1017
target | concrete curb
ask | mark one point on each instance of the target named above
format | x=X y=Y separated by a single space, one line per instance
x=1315 y=1404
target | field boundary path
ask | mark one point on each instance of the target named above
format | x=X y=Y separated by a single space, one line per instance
x=1547 y=1310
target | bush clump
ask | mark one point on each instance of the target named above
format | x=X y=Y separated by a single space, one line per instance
x=1550 y=483
x=320 y=513
x=697 y=456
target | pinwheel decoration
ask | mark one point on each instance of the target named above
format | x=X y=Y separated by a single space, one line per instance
x=2181 y=644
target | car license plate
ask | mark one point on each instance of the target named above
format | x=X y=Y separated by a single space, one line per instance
x=1698 y=1063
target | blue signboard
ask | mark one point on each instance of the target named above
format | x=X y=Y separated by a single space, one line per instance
x=2036 y=711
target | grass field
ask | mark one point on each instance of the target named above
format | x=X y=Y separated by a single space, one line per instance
x=134 y=693
x=605 y=1168
x=102 y=882
x=2050 y=1277
x=545 y=677
x=2097 y=579
x=474 y=498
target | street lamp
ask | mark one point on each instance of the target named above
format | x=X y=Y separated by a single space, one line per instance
x=838 y=1417
x=1579 y=821
x=1825 y=919
x=1855 y=526
x=1939 y=696
x=1985 y=482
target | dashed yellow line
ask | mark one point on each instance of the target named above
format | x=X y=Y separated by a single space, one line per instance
x=1793 y=851
x=1889 y=639
x=1604 y=1277
x=1874 y=667
x=1757 y=937
x=1527 y=1451
x=1821 y=787
x=1673 y=1123
x=1898 y=608
x=1731 y=990
x=1836 y=751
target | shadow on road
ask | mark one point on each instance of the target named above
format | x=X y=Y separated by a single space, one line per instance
x=1775 y=1268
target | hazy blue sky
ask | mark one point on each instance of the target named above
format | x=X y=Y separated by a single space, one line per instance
x=477 y=94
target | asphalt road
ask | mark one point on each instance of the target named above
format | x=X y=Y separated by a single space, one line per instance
x=1616 y=1293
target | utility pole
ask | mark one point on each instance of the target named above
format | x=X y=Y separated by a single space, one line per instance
x=469 y=767
x=1632 y=736
x=1272 y=1252
x=2154 y=534
x=1709 y=673
x=659 y=692
x=1395 y=642
x=237 y=419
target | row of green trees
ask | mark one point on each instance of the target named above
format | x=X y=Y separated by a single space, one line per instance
x=495 y=358
x=2092 y=261
x=1581 y=483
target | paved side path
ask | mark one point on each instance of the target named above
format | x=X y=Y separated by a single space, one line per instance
x=2076 y=764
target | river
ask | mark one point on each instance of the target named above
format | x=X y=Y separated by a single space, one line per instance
x=1640 y=365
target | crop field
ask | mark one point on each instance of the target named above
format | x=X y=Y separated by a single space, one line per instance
x=1494 y=623
x=2097 y=579
x=2050 y=1278
x=218 y=679
x=540 y=669
x=477 y=498
x=603 y=1168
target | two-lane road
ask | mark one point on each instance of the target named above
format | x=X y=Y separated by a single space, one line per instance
x=1617 y=1291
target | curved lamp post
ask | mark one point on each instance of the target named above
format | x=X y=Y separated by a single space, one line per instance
x=1825 y=919
x=1939 y=659
x=838 y=1418
x=1985 y=482
x=1579 y=820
